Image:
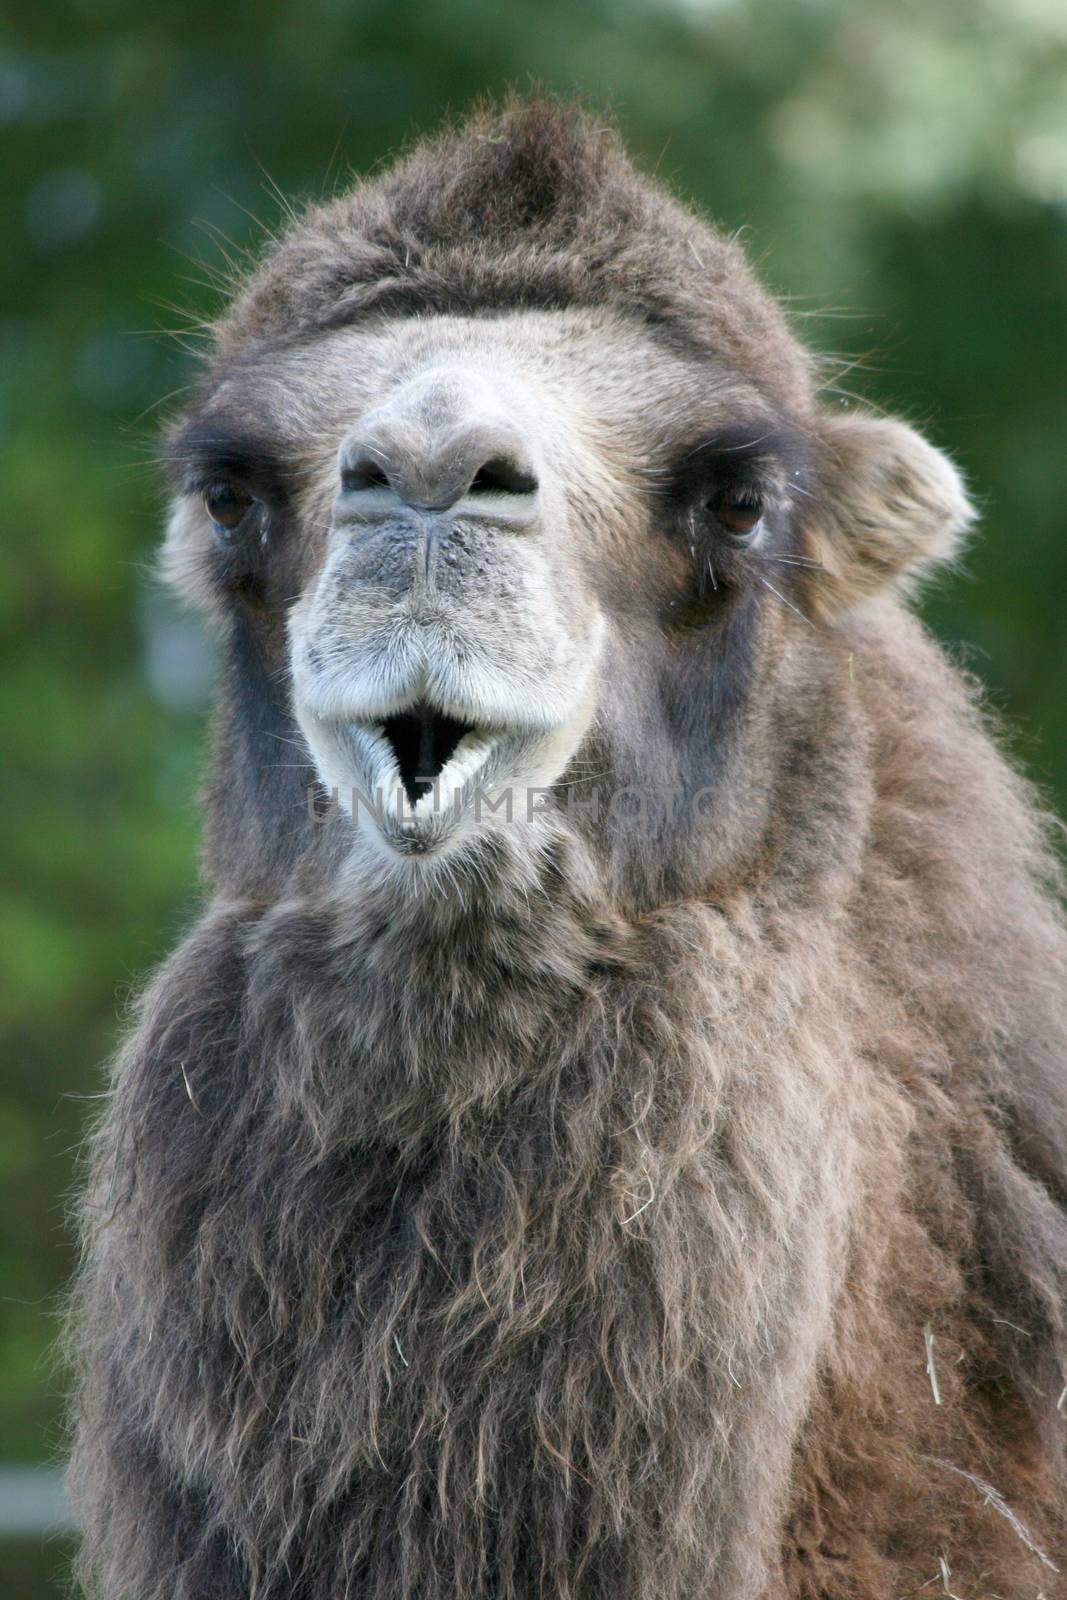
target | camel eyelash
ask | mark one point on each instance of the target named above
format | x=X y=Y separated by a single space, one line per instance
x=210 y=452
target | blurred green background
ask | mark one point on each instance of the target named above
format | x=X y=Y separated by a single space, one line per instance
x=900 y=170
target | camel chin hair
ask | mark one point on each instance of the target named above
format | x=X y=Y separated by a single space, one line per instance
x=604 y=1135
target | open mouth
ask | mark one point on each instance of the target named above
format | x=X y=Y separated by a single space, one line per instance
x=420 y=779
x=423 y=741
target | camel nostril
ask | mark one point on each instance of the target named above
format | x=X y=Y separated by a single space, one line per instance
x=364 y=474
x=501 y=476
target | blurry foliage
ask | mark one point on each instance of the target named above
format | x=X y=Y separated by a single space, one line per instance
x=901 y=164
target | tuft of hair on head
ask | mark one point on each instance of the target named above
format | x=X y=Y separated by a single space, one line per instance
x=887 y=508
x=532 y=204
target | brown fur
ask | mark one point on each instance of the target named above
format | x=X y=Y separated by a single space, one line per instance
x=600 y=1218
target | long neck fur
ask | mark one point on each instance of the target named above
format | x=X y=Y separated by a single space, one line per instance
x=502 y=1246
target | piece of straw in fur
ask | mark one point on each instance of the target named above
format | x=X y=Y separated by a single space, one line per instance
x=189 y=1091
x=946 y=1578
x=931 y=1370
x=994 y=1498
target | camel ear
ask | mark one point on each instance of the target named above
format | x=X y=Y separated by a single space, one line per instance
x=887 y=507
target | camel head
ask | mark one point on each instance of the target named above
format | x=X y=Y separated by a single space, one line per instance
x=522 y=514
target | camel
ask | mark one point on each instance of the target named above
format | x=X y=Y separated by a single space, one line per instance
x=605 y=1133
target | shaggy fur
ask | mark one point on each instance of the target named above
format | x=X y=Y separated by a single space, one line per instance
x=626 y=1214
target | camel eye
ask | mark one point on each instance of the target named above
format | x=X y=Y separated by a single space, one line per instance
x=228 y=507
x=740 y=512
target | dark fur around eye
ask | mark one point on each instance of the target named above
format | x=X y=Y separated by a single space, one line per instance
x=723 y=484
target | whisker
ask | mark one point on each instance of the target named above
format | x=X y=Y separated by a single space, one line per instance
x=779 y=596
x=726 y=449
x=804 y=563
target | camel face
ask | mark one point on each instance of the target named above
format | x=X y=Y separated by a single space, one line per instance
x=495 y=545
x=445 y=652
